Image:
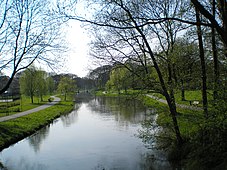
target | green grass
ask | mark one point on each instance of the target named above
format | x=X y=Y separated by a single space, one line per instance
x=188 y=119
x=190 y=95
x=16 y=129
x=9 y=108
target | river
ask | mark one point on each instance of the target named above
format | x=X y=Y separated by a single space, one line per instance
x=99 y=134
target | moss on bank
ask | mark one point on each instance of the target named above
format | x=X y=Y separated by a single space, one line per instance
x=17 y=129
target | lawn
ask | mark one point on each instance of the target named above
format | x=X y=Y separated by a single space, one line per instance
x=20 y=105
x=190 y=95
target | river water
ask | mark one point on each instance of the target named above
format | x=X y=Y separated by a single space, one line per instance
x=99 y=134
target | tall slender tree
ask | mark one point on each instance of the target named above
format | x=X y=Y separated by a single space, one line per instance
x=203 y=64
x=28 y=82
x=66 y=86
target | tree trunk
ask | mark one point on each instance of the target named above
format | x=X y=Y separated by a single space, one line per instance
x=182 y=91
x=65 y=96
x=171 y=103
x=173 y=111
x=32 y=100
x=215 y=58
x=221 y=29
x=8 y=83
x=170 y=84
x=203 y=65
x=41 y=98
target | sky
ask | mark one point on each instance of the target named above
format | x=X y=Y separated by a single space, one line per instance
x=78 y=54
x=78 y=61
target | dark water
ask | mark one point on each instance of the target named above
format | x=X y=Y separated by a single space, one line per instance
x=99 y=134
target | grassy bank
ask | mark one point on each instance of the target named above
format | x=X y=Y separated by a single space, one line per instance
x=17 y=129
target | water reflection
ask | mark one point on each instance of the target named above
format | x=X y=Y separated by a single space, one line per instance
x=124 y=110
x=69 y=119
x=36 y=140
x=98 y=134
x=22 y=164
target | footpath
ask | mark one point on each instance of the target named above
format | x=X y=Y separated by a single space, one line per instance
x=44 y=106
x=178 y=105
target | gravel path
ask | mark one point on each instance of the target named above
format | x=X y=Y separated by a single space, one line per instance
x=178 y=105
x=44 y=106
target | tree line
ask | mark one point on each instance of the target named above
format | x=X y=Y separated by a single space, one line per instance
x=35 y=82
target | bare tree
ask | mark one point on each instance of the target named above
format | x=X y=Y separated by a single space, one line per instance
x=124 y=34
x=28 y=32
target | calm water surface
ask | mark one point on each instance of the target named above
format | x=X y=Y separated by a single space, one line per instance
x=100 y=133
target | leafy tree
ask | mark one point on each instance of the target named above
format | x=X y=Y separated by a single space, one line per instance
x=28 y=84
x=50 y=85
x=66 y=85
x=119 y=79
x=41 y=83
x=34 y=82
x=185 y=64
x=100 y=75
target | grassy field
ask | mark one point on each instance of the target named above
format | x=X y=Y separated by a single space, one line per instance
x=189 y=96
x=15 y=130
x=20 y=105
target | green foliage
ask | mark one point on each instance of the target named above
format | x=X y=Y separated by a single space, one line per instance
x=205 y=139
x=66 y=86
x=118 y=79
x=208 y=145
x=41 y=84
x=50 y=85
x=35 y=82
x=28 y=82
x=186 y=66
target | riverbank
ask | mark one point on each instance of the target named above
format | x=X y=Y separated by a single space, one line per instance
x=204 y=139
x=15 y=130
